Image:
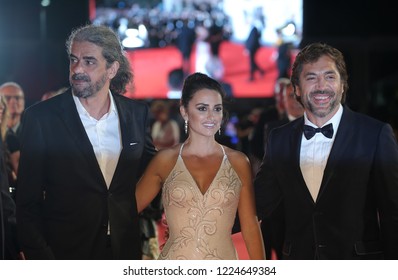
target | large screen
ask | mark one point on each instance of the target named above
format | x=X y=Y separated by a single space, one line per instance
x=151 y=36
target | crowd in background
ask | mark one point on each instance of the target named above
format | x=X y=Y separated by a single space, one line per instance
x=161 y=27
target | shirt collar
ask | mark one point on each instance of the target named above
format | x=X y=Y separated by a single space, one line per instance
x=335 y=120
x=82 y=111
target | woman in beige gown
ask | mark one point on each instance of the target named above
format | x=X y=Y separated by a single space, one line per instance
x=203 y=183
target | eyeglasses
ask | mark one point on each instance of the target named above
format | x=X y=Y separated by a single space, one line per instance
x=17 y=97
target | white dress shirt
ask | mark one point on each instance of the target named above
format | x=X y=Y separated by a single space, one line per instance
x=315 y=152
x=105 y=137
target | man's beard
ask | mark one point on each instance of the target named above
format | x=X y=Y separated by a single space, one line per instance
x=321 y=113
x=91 y=89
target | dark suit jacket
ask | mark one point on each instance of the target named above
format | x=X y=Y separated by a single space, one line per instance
x=252 y=42
x=8 y=240
x=57 y=158
x=356 y=212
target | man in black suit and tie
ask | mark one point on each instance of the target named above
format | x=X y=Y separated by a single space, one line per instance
x=82 y=153
x=336 y=171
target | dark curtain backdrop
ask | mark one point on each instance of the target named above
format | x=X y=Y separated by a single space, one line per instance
x=32 y=42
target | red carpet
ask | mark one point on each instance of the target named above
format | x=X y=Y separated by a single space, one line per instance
x=151 y=67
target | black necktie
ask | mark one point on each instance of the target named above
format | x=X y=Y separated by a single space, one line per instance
x=310 y=131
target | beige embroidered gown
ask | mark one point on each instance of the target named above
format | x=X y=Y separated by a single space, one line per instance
x=200 y=224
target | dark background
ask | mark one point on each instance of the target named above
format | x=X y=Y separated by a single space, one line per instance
x=33 y=54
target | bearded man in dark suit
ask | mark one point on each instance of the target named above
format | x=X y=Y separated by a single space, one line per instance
x=335 y=170
x=82 y=153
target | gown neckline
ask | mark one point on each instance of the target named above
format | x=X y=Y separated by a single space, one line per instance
x=193 y=179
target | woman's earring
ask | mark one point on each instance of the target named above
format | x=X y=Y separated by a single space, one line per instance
x=186 y=126
x=219 y=131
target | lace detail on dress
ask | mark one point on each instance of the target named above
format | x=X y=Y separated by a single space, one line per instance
x=200 y=224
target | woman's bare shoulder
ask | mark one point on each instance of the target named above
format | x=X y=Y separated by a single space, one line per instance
x=238 y=160
x=165 y=156
x=241 y=164
x=165 y=160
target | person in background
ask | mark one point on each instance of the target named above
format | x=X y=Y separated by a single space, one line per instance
x=292 y=107
x=185 y=41
x=252 y=45
x=245 y=128
x=334 y=170
x=82 y=153
x=215 y=37
x=8 y=238
x=15 y=98
x=285 y=109
x=215 y=69
x=3 y=123
x=175 y=79
x=203 y=183
x=202 y=48
x=284 y=59
x=12 y=97
x=272 y=114
x=165 y=131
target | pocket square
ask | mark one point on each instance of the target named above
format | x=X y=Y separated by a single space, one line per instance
x=133 y=143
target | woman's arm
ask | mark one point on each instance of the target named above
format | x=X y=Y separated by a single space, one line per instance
x=152 y=180
x=250 y=226
x=149 y=185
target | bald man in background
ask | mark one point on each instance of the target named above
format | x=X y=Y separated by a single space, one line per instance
x=15 y=98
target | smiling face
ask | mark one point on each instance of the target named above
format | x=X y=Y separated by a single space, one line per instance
x=320 y=89
x=204 y=112
x=88 y=72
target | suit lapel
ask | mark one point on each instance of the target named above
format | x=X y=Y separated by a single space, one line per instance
x=70 y=116
x=295 y=145
x=342 y=141
x=126 y=122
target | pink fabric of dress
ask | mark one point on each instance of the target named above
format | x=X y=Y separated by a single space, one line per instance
x=200 y=224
